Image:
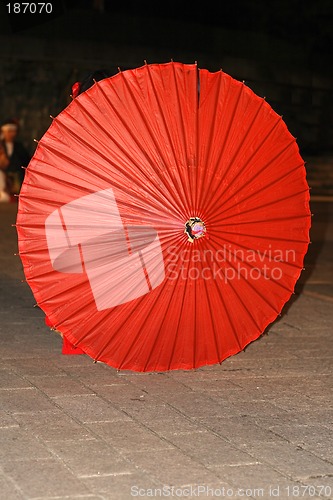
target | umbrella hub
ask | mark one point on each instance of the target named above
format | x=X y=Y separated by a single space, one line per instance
x=195 y=228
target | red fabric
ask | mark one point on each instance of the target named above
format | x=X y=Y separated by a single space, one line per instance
x=48 y=322
x=67 y=346
x=76 y=89
x=145 y=149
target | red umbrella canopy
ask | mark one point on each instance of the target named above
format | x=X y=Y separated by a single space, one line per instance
x=164 y=218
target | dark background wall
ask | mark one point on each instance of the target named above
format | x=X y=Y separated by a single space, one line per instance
x=282 y=49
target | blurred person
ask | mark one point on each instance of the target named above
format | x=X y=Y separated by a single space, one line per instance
x=4 y=162
x=16 y=154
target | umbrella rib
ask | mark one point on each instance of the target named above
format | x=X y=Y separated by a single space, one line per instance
x=261 y=255
x=88 y=191
x=199 y=193
x=241 y=142
x=119 y=329
x=264 y=237
x=137 y=142
x=109 y=312
x=255 y=193
x=211 y=316
x=268 y=204
x=247 y=184
x=99 y=153
x=263 y=297
x=82 y=188
x=277 y=282
x=181 y=193
x=225 y=139
x=178 y=324
x=161 y=325
x=263 y=221
x=177 y=328
x=246 y=164
x=183 y=137
x=243 y=304
x=157 y=146
x=121 y=326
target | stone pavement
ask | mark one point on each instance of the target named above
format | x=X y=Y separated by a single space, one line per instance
x=257 y=426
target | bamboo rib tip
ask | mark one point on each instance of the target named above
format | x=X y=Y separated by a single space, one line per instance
x=35 y=140
x=119 y=69
x=52 y=117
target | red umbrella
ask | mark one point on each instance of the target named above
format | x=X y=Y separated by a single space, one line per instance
x=164 y=218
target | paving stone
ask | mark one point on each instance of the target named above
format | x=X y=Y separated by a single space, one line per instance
x=9 y=490
x=44 y=478
x=89 y=408
x=210 y=449
x=53 y=426
x=90 y=458
x=178 y=424
x=120 y=486
x=9 y=380
x=172 y=467
x=24 y=400
x=241 y=431
x=18 y=444
x=97 y=375
x=7 y=420
x=34 y=367
x=290 y=459
x=60 y=386
x=128 y=435
x=260 y=481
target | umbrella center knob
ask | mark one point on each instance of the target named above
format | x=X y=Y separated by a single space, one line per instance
x=195 y=228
